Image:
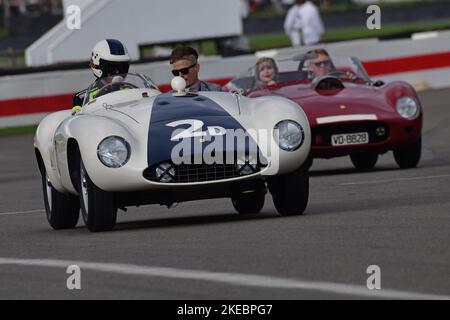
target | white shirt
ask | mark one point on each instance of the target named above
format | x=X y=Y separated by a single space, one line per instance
x=293 y=20
x=244 y=9
x=307 y=18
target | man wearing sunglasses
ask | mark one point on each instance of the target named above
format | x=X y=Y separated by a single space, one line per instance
x=321 y=64
x=184 y=62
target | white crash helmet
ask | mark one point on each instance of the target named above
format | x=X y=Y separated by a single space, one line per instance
x=109 y=57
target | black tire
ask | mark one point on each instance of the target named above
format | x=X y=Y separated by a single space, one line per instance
x=409 y=156
x=310 y=162
x=290 y=192
x=250 y=203
x=364 y=161
x=62 y=210
x=97 y=206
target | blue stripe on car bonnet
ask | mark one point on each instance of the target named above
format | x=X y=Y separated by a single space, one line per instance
x=168 y=108
x=116 y=47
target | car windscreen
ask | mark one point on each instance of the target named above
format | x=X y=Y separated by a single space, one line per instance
x=300 y=68
x=342 y=67
x=116 y=83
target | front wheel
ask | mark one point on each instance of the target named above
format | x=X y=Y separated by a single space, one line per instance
x=249 y=203
x=408 y=157
x=310 y=162
x=63 y=211
x=290 y=192
x=97 y=206
x=364 y=161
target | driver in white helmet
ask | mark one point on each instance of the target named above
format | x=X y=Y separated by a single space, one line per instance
x=109 y=58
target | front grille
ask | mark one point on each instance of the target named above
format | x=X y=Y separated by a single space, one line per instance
x=192 y=173
x=326 y=131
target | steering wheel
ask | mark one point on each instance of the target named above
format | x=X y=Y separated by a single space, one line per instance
x=338 y=74
x=112 y=87
x=344 y=74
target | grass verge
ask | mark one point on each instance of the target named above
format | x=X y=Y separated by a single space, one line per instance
x=15 y=131
x=344 y=7
x=276 y=40
x=280 y=40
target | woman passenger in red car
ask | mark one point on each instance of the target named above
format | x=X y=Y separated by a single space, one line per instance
x=266 y=72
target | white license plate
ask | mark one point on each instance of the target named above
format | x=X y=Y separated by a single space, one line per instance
x=350 y=139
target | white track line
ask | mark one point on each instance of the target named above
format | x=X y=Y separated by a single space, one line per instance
x=20 y=212
x=234 y=279
x=394 y=180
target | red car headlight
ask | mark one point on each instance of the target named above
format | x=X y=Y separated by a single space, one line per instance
x=408 y=108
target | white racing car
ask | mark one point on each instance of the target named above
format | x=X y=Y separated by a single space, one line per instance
x=131 y=145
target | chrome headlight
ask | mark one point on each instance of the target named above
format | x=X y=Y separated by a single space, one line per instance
x=289 y=135
x=408 y=108
x=114 y=152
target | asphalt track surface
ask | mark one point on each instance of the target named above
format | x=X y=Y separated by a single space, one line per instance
x=396 y=219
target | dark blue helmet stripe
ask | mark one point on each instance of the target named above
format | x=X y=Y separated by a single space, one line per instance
x=116 y=47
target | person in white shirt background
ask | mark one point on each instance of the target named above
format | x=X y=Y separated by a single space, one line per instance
x=292 y=24
x=303 y=22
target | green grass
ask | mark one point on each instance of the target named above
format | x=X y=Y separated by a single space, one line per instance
x=280 y=40
x=3 y=32
x=277 y=40
x=28 y=130
x=388 y=30
x=382 y=5
x=270 y=12
x=6 y=61
x=269 y=41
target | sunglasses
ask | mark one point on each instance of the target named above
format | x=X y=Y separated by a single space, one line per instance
x=183 y=71
x=324 y=63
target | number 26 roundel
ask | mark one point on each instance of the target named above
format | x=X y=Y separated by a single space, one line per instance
x=194 y=130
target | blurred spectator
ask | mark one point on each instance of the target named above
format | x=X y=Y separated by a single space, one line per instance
x=293 y=24
x=256 y=5
x=287 y=3
x=244 y=9
x=326 y=4
x=25 y=7
x=303 y=21
x=277 y=6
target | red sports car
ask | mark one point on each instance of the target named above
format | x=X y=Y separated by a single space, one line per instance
x=350 y=115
